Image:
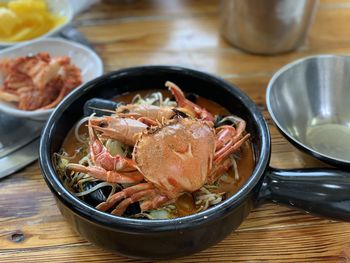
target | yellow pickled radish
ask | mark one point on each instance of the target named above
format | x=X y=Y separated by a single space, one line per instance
x=26 y=19
x=8 y=21
x=26 y=5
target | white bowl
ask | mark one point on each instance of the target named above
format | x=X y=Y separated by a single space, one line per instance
x=84 y=58
x=59 y=7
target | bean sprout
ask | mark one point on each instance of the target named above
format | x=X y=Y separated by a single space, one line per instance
x=77 y=127
x=93 y=189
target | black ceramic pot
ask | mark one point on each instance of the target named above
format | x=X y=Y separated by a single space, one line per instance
x=315 y=191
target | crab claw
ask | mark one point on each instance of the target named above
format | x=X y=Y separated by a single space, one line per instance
x=189 y=106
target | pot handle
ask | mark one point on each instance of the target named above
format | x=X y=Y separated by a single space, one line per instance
x=325 y=192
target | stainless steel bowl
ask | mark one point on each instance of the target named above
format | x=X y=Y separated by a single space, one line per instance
x=309 y=102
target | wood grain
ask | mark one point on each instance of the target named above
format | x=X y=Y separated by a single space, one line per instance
x=185 y=33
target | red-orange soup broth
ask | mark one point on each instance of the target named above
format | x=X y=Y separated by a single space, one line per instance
x=185 y=204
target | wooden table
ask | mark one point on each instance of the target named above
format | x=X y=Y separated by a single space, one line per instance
x=185 y=33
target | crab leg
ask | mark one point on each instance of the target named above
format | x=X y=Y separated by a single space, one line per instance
x=149 y=111
x=123 y=205
x=228 y=149
x=229 y=139
x=193 y=108
x=221 y=163
x=108 y=176
x=156 y=202
x=127 y=192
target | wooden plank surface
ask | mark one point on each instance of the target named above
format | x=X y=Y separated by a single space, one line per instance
x=185 y=33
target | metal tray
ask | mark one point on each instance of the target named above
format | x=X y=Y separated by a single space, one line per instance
x=15 y=133
x=19 y=143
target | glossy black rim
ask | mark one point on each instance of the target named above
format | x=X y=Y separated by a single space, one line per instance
x=138 y=225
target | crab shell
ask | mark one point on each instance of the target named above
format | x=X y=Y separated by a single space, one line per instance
x=177 y=156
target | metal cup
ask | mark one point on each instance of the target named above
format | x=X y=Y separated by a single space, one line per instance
x=266 y=26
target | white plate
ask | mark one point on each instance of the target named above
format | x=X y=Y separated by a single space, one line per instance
x=84 y=58
x=59 y=7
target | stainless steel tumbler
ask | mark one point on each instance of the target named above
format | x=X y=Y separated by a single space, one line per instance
x=266 y=26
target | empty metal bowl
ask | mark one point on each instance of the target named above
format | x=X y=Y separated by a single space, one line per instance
x=309 y=102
